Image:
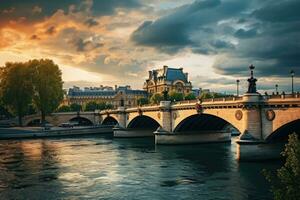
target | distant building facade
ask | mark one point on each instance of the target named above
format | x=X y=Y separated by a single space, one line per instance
x=118 y=96
x=167 y=79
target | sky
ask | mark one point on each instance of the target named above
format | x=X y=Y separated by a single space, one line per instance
x=109 y=42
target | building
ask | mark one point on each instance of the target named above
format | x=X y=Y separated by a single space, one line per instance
x=118 y=96
x=167 y=79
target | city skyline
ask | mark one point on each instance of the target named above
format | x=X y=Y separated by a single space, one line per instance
x=118 y=42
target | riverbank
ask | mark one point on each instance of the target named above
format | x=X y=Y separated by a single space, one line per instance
x=40 y=132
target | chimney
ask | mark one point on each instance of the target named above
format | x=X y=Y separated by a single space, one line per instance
x=165 y=68
x=186 y=76
x=150 y=74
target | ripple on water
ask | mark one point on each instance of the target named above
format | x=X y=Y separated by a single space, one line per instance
x=171 y=183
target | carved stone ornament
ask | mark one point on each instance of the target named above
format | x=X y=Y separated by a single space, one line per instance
x=174 y=115
x=238 y=115
x=158 y=115
x=270 y=115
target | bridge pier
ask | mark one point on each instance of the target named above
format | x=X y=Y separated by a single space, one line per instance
x=164 y=137
x=258 y=150
x=131 y=133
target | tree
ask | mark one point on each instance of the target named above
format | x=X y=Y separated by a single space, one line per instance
x=64 y=108
x=16 y=88
x=109 y=106
x=4 y=113
x=206 y=95
x=47 y=84
x=91 y=106
x=156 y=98
x=143 y=101
x=285 y=183
x=190 y=96
x=75 y=107
x=175 y=96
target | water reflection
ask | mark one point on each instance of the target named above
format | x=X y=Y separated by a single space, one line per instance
x=102 y=168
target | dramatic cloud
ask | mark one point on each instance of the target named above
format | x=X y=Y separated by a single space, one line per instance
x=123 y=39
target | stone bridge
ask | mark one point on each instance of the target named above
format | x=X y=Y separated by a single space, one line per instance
x=255 y=115
x=88 y=118
x=258 y=118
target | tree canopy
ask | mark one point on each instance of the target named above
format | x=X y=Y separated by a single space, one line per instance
x=16 y=88
x=285 y=183
x=190 y=96
x=75 y=107
x=175 y=96
x=143 y=101
x=47 y=83
x=156 y=98
x=92 y=106
x=28 y=87
x=64 y=108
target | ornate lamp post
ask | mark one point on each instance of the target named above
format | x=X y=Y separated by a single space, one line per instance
x=292 y=75
x=237 y=87
x=276 y=88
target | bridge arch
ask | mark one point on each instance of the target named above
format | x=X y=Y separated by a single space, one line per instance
x=109 y=120
x=82 y=121
x=282 y=132
x=202 y=122
x=143 y=122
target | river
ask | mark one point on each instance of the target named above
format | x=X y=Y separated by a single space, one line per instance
x=100 y=167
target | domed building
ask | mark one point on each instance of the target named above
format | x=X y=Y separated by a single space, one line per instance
x=167 y=79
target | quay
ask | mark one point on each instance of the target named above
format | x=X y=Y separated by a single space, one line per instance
x=39 y=132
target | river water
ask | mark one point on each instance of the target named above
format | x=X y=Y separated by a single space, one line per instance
x=100 y=167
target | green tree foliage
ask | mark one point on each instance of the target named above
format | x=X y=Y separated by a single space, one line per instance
x=143 y=101
x=16 y=88
x=64 y=108
x=75 y=107
x=109 y=106
x=92 y=106
x=47 y=84
x=206 y=95
x=285 y=183
x=190 y=96
x=209 y=95
x=4 y=113
x=156 y=98
x=31 y=109
x=175 y=96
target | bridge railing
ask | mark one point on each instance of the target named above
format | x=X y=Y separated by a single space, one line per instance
x=223 y=99
x=185 y=101
x=282 y=96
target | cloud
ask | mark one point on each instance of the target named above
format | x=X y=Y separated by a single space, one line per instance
x=37 y=9
x=190 y=26
x=35 y=37
x=91 y=22
x=279 y=11
x=84 y=45
x=51 y=30
x=242 y=33
x=272 y=42
x=124 y=38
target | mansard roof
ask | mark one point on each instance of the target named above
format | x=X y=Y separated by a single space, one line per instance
x=168 y=74
x=173 y=74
